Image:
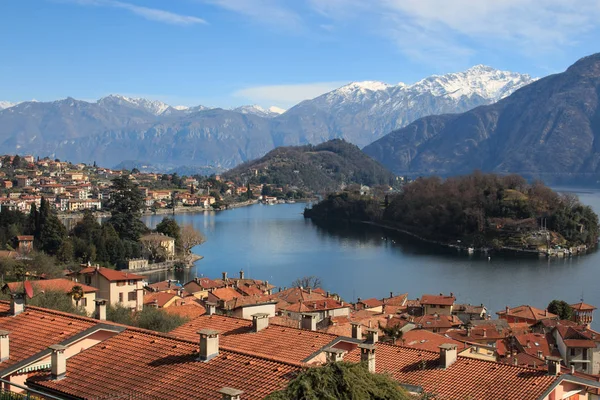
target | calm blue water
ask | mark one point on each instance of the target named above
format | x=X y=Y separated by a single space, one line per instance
x=277 y=244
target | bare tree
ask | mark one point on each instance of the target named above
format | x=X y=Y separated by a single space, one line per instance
x=190 y=237
x=307 y=282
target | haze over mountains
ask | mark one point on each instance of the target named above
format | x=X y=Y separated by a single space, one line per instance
x=117 y=128
x=549 y=128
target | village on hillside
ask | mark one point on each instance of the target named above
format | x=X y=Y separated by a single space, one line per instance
x=243 y=338
x=71 y=188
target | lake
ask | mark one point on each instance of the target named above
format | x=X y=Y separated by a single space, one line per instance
x=277 y=244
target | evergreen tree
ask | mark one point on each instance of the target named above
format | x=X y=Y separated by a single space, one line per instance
x=126 y=204
x=341 y=381
x=51 y=232
x=560 y=308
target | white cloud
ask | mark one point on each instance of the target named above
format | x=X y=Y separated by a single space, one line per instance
x=152 y=14
x=269 y=12
x=436 y=30
x=286 y=96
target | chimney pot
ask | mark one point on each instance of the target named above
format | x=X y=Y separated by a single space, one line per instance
x=515 y=361
x=230 y=393
x=367 y=354
x=58 y=361
x=17 y=304
x=553 y=365
x=211 y=308
x=572 y=369
x=356 y=330
x=507 y=310
x=448 y=354
x=260 y=321
x=209 y=344
x=372 y=335
x=241 y=274
x=335 y=355
x=328 y=294
x=309 y=322
x=100 y=309
x=224 y=276
x=484 y=332
x=4 y=346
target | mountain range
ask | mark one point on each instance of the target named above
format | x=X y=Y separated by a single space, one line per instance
x=119 y=128
x=547 y=129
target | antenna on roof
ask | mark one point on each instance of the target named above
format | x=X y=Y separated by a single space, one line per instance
x=582 y=295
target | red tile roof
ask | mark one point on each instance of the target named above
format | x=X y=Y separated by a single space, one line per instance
x=437 y=321
x=426 y=340
x=226 y=293
x=140 y=363
x=466 y=378
x=59 y=284
x=37 y=328
x=532 y=343
x=189 y=310
x=201 y=284
x=399 y=300
x=110 y=274
x=371 y=303
x=527 y=312
x=163 y=286
x=160 y=299
x=427 y=299
x=582 y=307
x=281 y=342
x=478 y=334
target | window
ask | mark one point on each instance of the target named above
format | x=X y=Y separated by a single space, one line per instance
x=442 y=306
x=131 y=283
x=121 y=283
x=572 y=351
x=84 y=302
x=88 y=280
x=120 y=297
x=131 y=296
x=584 y=354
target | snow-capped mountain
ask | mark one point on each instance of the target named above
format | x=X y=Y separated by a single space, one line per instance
x=6 y=104
x=362 y=112
x=153 y=106
x=271 y=112
x=117 y=127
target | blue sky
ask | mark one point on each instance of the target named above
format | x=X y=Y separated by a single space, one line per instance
x=274 y=52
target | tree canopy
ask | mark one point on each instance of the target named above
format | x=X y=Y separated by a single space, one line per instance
x=560 y=308
x=126 y=204
x=341 y=381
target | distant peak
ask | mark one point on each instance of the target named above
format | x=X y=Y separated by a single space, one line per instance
x=276 y=110
x=367 y=85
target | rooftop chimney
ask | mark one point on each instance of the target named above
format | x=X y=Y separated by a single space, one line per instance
x=58 y=361
x=335 y=355
x=546 y=312
x=372 y=335
x=309 y=290
x=484 y=333
x=540 y=354
x=469 y=329
x=515 y=361
x=367 y=354
x=224 y=276
x=448 y=355
x=241 y=274
x=553 y=365
x=230 y=393
x=507 y=310
x=572 y=369
x=309 y=322
x=211 y=308
x=209 y=344
x=17 y=304
x=100 y=309
x=4 y=346
x=356 y=330
x=327 y=294
x=260 y=321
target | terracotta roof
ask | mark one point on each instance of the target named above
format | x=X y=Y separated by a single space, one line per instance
x=399 y=300
x=189 y=310
x=466 y=378
x=110 y=274
x=437 y=321
x=160 y=299
x=156 y=237
x=327 y=303
x=371 y=303
x=25 y=237
x=477 y=334
x=427 y=299
x=582 y=307
x=580 y=343
x=425 y=340
x=527 y=312
x=249 y=290
x=59 y=284
x=281 y=342
x=37 y=328
x=226 y=293
x=163 y=286
x=532 y=343
x=139 y=363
